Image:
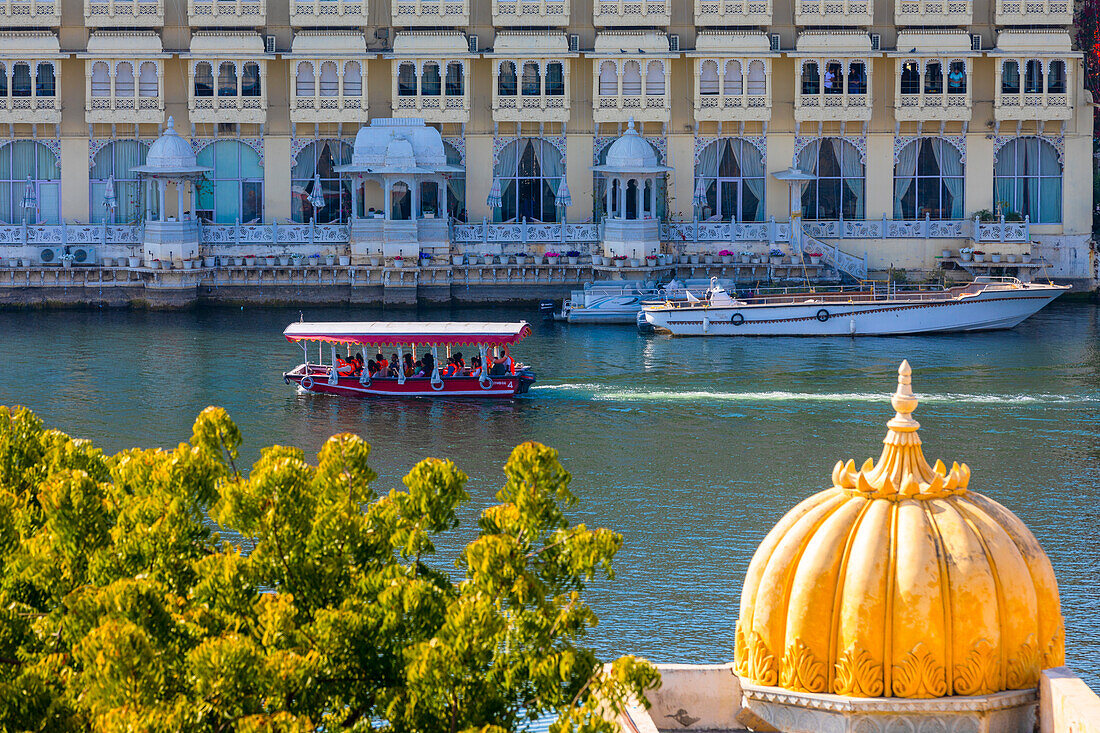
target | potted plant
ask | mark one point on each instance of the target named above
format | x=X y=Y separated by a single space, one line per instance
x=573 y=256
x=619 y=260
x=155 y=264
x=67 y=260
x=375 y=260
x=284 y=259
x=13 y=262
x=693 y=258
x=210 y=261
x=708 y=259
x=1014 y=216
x=635 y=262
x=315 y=259
x=269 y=260
x=995 y=257
x=966 y=254
x=330 y=259
x=345 y=260
x=106 y=262
x=424 y=259
x=746 y=257
x=133 y=261
x=979 y=256
x=521 y=258
x=985 y=216
x=456 y=260
x=1025 y=257
x=552 y=257
x=597 y=260
x=725 y=256
x=815 y=258
x=651 y=260
x=398 y=261
x=188 y=264
x=250 y=260
x=775 y=256
x=946 y=254
x=1010 y=257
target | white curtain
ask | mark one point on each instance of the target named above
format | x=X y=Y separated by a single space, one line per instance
x=708 y=78
x=757 y=81
x=1004 y=176
x=731 y=84
x=507 y=163
x=807 y=158
x=353 y=79
x=124 y=79
x=1029 y=200
x=707 y=164
x=550 y=162
x=101 y=79
x=147 y=80
x=904 y=175
x=851 y=168
x=655 y=79
x=951 y=171
x=752 y=173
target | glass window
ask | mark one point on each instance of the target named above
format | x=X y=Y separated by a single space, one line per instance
x=304 y=81
x=507 y=85
x=708 y=78
x=353 y=79
x=731 y=80
x=124 y=79
x=655 y=79
x=555 y=79
x=834 y=78
x=250 y=80
x=204 y=80
x=456 y=184
x=21 y=80
x=1010 y=78
x=330 y=80
x=632 y=79
x=406 y=80
x=933 y=78
x=101 y=79
x=928 y=181
x=811 y=79
x=956 y=78
x=609 y=79
x=529 y=171
x=46 y=85
x=857 y=78
x=1056 y=79
x=400 y=201
x=838 y=188
x=1027 y=181
x=729 y=181
x=321 y=158
x=910 y=78
x=28 y=167
x=117 y=159
x=234 y=189
x=430 y=83
x=4 y=80
x=531 y=82
x=227 y=80
x=148 y=85
x=456 y=83
x=1033 y=78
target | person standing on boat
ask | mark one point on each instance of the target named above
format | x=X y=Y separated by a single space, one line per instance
x=503 y=364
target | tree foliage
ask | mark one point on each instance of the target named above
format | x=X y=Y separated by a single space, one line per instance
x=122 y=609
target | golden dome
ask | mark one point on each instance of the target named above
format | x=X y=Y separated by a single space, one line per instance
x=899 y=582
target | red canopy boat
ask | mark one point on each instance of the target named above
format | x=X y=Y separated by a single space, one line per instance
x=400 y=338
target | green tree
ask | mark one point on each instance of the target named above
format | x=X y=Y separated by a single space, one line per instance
x=122 y=609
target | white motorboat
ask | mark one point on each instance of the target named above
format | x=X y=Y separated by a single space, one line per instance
x=621 y=301
x=987 y=303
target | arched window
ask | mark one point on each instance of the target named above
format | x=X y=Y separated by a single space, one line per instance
x=729 y=175
x=456 y=185
x=531 y=81
x=148 y=85
x=101 y=79
x=956 y=78
x=655 y=79
x=430 y=83
x=304 y=81
x=838 y=188
x=250 y=80
x=1033 y=77
x=235 y=187
x=456 y=81
x=910 y=77
x=834 y=78
x=933 y=78
x=732 y=80
x=23 y=164
x=46 y=84
x=758 y=83
x=857 y=78
x=406 y=80
x=227 y=80
x=507 y=86
x=555 y=79
x=124 y=79
x=21 y=80
x=609 y=79
x=530 y=171
x=811 y=78
x=928 y=180
x=1056 y=79
x=400 y=201
x=117 y=159
x=330 y=80
x=1027 y=180
x=632 y=79
x=1010 y=77
x=204 y=80
x=4 y=80
x=320 y=158
x=708 y=78
x=353 y=79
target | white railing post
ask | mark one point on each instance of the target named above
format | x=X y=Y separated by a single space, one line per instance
x=927 y=223
x=103 y=238
x=237 y=231
x=485 y=229
x=1027 y=228
x=974 y=233
x=884 y=226
x=64 y=237
x=275 y=232
x=1002 y=228
x=561 y=226
x=694 y=229
x=771 y=230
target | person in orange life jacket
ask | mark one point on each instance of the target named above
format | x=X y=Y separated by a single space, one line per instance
x=475 y=366
x=503 y=364
x=451 y=369
x=358 y=365
x=459 y=361
x=345 y=368
x=383 y=365
x=372 y=368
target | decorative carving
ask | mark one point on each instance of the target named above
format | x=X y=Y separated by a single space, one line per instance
x=857 y=674
x=1054 y=654
x=918 y=674
x=978 y=674
x=256 y=143
x=859 y=143
x=800 y=670
x=740 y=651
x=1023 y=667
x=1058 y=141
x=956 y=141
x=762 y=666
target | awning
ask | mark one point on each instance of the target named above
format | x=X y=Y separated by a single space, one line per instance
x=430 y=44
x=531 y=44
x=731 y=43
x=383 y=333
x=122 y=44
x=327 y=44
x=631 y=43
x=220 y=44
x=29 y=45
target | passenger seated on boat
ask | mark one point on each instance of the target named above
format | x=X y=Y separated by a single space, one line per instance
x=345 y=368
x=427 y=365
x=409 y=366
x=394 y=364
x=383 y=366
x=475 y=366
x=503 y=364
x=372 y=368
x=460 y=362
x=358 y=365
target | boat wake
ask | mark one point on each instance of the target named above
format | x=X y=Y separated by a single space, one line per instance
x=604 y=393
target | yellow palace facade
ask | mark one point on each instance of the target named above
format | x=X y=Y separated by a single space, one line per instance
x=922 y=121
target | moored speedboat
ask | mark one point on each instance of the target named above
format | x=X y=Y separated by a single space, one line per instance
x=621 y=301
x=401 y=337
x=987 y=303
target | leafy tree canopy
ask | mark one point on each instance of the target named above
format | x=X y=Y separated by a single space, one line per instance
x=122 y=610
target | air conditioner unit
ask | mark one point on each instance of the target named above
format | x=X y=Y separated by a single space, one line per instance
x=674 y=42
x=975 y=41
x=83 y=255
x=774 y=42
x=269 y=44
x=472 y=40
x=50 y=256
x=876 y=42
x=574 y=42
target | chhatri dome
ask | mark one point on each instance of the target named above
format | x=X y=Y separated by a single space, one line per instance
x=631 y=152
x=899 y=581
x=170 y=154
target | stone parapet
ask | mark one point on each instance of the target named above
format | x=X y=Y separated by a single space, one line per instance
x=1066 y=704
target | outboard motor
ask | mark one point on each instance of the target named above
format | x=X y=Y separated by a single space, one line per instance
x=526 y=378
x=546 y=308
x=644 y=326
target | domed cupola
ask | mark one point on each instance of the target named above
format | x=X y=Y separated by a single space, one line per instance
x=170 y=153
x=632 y=152
x=899 y=581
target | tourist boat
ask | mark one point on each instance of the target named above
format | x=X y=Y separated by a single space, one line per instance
x=370 y=337
x=986 y=303
x=620 y=301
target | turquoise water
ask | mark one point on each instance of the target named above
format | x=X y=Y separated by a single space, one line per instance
x=691 y=448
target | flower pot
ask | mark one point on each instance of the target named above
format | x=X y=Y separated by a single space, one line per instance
x=134 y=261
x=107 y=262
x=1025 y=258
x=815 y=259
x=995 y=257
x=345 y=260
x=399 y=263
x=284 y=260
x=619 y=263
x=210 y=261
x=650 y=261
x=456 y=260
x=1010 y=258
x=13 y=262
x=553 y=260
x=745 y=259
x=775 y=260
x=597 y=260
x=979 y=258
x=521 y=260
x=188 y=264
x=693 y=259
x=250 y=261
x=635 y=262
x=67 y=264
x=375 y=260
x=708 y=259
x=269 y=261
x=727 y=259
x=966 y=256
x=314 y=261
x=756 y=260
x=946 y=254
x=330 y=259
x=574 y=260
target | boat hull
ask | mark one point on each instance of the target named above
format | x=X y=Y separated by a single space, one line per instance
x=317 y=382
x=990 y=310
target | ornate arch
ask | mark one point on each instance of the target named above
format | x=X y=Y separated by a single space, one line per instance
x=757 y=141
x=859 y=143
x=1058 y=142
x=956 y=141
x=198 y=144
x=499 y=143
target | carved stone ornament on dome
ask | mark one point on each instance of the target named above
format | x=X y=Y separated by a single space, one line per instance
x=899 y=582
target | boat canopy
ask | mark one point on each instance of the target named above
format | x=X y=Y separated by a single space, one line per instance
x=380 y=333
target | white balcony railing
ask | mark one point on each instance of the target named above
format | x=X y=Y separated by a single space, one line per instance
x=432 y=108
x=33 y=13
x=833 y=12
x=306 y=13
x=430 y=12
x=642 y=107
x=517 y=108
x=223 y=13
x=1034 y=12
x=717 y=13
x=933 y=12
x=631 y=12
x=531 y=12
x=128 y=13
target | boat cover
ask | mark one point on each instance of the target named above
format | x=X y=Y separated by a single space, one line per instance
x=439 y=333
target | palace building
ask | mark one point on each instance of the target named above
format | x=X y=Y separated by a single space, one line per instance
x=928 y=126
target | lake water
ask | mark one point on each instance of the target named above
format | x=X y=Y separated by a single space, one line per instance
x=691 y=448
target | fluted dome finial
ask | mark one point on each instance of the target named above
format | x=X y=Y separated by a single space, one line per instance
x=904 y=401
